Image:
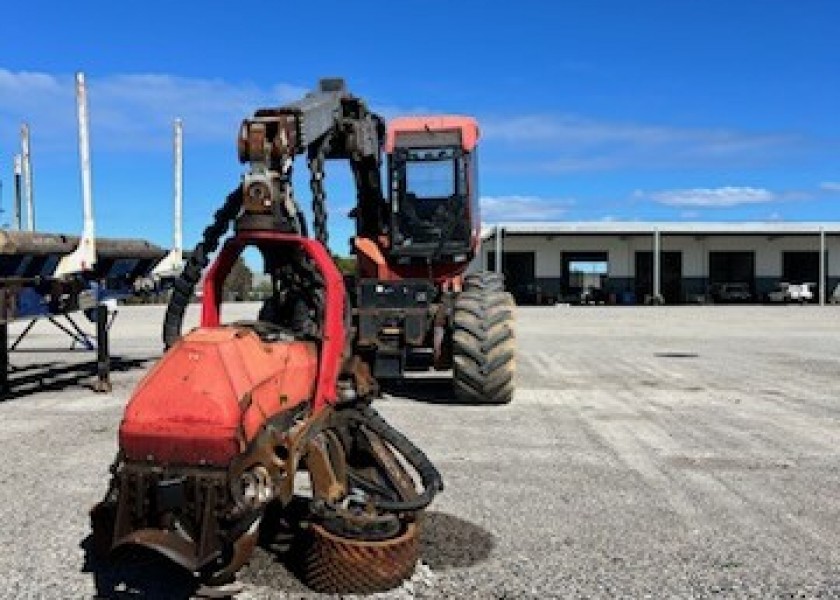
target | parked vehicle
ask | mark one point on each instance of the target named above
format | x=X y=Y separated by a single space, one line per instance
x=835 y=295
x=531 y=293
x=779 y=294
x=730 y=292
x=791 y=292
x=593 y=295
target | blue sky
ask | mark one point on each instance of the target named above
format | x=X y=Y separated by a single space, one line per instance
x=596 y=109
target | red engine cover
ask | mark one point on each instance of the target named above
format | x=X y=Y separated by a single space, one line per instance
x=211 y=393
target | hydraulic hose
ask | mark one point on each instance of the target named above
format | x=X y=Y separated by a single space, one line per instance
x=429 y=475
x=184 y=286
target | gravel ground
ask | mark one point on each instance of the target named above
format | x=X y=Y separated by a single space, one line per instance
x=680 y=452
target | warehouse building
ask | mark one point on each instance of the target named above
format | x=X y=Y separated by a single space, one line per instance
x=635 y=262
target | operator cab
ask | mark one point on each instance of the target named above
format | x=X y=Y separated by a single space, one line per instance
x=433 y=194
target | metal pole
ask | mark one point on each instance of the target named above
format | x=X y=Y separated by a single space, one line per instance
x=656 y=265
x=822 y=267
x=84 y=154
x=179 y=185
x=18 y=172
x=499 y=248
x=103 y=352
x=27 y=177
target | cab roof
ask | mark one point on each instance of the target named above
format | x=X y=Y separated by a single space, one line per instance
x=433 y=123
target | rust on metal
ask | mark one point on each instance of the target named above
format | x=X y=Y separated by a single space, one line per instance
x=268 y=136
x=178 y=549
x=364 y=383
x=397 y=474
x=42 y=244
x=325 y=468
x=339 y=565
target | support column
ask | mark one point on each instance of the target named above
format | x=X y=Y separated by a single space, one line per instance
x=656 y=266
x=103 y=351
x=499 y=248
x=823 y=282
x=178 y=182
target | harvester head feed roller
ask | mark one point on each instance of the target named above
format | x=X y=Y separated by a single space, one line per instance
x=339 y=565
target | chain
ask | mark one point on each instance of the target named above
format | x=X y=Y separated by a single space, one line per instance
x=317 y=158
x=184 y=287
x=222 y=219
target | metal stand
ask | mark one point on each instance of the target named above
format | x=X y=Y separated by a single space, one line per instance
x=104 y=321
x=103 y=353
x=74 y=332
x=22 y=335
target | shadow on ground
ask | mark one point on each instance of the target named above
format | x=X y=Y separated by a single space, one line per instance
x=431 y=390
x=56 y=376
x=449 y=542
x=137 y=573
x=446 y=542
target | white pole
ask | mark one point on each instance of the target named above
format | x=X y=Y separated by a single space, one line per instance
x=179 y=186
x=27 y=176
x=171 y=264
x=84 y=154
x=83 y=258
x=822 y=266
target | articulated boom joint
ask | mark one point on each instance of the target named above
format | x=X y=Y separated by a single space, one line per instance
x=269 y=144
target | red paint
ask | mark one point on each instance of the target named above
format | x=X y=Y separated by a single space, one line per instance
x=371 y=264
x=332 y=346
x=210 y=394
x=466 y=125
x=214 y=390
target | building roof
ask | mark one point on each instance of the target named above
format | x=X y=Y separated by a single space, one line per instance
x=664 y=227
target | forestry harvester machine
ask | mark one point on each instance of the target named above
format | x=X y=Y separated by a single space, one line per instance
x=217 y=440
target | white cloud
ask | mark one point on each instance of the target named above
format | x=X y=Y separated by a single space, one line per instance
x=523 y=208
x=722 y=197
x=575 y=130
x=568 y=143
x=135 y=112
x=131 y=111
x=830 y=186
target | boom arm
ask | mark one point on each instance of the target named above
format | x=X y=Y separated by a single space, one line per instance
x=329 y=123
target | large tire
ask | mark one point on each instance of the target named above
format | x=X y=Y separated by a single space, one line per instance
x=487 y=281
x=483 y=347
